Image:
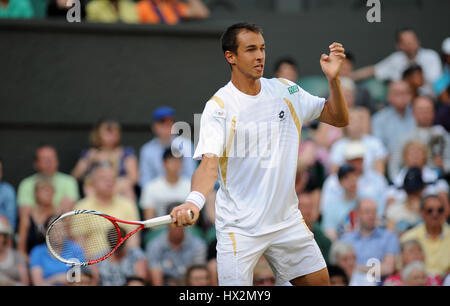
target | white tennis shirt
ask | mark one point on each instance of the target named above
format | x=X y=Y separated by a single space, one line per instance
x=257 y=139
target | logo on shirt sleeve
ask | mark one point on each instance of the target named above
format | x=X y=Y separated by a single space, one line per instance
x=293 y=89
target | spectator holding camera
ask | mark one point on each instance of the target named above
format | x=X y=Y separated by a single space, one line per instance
x=434 y=136
x=106 y=144
x=404 y=215
x=415 y=156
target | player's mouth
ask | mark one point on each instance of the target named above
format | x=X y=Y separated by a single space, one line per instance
x=259 y=68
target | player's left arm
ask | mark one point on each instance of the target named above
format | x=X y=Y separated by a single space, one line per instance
x=335 y=111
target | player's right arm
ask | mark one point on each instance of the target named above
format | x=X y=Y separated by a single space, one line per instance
x=209 y=148
x=203 y=181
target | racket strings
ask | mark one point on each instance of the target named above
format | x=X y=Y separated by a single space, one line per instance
x=83 y=237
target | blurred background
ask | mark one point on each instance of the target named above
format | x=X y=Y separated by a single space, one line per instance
x=108 y=89
x=58 y=78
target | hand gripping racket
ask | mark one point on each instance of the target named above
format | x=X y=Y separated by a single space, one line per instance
x=87 y=237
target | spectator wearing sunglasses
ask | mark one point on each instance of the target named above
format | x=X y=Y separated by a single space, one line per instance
x=433 y=234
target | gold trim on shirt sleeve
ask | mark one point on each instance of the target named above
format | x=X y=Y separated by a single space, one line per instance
x=295 y=118
x=284 y=81
x=223 y=161
x=219 y=101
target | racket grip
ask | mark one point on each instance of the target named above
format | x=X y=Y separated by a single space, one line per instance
x=163 y=220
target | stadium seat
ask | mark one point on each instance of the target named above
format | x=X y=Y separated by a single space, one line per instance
x=377 y=89
x=315 y=85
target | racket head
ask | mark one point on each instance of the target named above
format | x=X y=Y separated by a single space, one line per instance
x=85 y=237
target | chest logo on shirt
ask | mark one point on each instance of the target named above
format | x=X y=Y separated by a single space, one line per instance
x=282 y=115
x=293 y=89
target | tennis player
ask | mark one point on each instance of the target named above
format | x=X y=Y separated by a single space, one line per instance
x=256 y=206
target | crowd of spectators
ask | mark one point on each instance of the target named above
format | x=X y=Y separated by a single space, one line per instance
x=169 y=12
x=375 y=194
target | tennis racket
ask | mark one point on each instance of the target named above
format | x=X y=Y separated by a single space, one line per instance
x=87 y=237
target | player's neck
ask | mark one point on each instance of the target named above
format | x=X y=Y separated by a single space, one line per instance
x=246 y=85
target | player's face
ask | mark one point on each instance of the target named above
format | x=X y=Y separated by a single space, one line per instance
x=251 y=54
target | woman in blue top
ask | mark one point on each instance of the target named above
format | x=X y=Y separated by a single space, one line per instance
x=106 y=147
x=46 y=270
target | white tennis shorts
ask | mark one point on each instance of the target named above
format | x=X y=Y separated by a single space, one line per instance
x=291 y=252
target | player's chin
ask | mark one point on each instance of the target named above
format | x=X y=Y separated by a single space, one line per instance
x=258 y=74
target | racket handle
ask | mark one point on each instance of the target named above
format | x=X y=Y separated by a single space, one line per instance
x=163 y=220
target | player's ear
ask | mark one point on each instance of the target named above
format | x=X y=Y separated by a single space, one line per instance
x=230 y=57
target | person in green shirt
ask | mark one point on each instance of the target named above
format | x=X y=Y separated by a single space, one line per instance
x=66 y=187
x=16 y=9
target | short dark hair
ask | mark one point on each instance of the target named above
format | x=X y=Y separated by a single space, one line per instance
x=425 y=198
x=344 y=170
x=168 y=153
x=229 y=37
x=334 y=270
x=285 y=60
x=410 y=70
x=133 y=278
x=349 y=56
x=43 y=145
x=401 y=31
x=192 y=268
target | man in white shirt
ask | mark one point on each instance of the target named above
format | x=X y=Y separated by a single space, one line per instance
x=165 y=190
x=250 y=129
x=409 y=52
